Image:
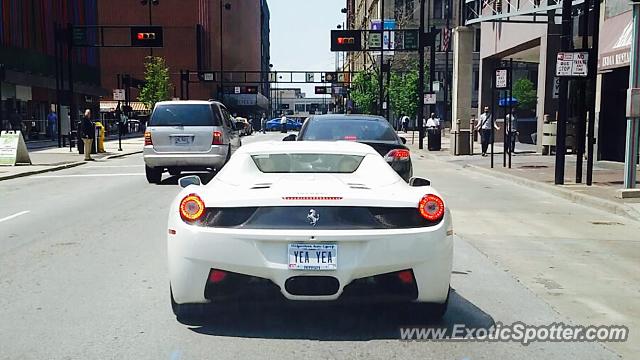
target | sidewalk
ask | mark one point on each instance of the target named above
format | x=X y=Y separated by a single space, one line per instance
x=538 y=171
x=54 y=158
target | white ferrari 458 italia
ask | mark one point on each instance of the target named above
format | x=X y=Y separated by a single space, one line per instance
x=309 y=221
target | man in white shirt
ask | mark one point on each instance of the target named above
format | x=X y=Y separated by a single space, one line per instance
x=484 y=126
x=432 y=121
x=283 y=123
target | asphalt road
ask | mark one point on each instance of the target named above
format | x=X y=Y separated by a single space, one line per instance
x=83 y=275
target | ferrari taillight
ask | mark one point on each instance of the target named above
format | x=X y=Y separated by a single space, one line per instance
x=431 y=207
x=397 y=154
x=147 y=138
x=217 y=138
x=191 y=208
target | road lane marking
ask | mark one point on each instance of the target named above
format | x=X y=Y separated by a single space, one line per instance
x=15 y=215
x=112 y=166
x=88 y=175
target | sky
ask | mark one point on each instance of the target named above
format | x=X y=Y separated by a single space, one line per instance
x=300 y=36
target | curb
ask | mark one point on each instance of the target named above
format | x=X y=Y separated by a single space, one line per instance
x=583 y=199
x=62 y=167
x=41 y=171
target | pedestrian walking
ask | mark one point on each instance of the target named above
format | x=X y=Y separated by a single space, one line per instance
x=405 y=123
x=88 y=134
x=484 y=127
x=283 y=123
x=52 y=124
x=263 y=124
x=512 y=135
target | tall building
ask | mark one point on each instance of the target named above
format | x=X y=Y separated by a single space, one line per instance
x=405 y=14
x=200 y=36
x=27 y=52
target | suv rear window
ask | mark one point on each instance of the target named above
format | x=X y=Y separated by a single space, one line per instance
x=307 y=163
x=349 y=129
x=184 y=115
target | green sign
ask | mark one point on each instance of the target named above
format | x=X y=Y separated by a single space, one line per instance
x=411 y=40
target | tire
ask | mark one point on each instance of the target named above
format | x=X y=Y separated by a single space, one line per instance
x=174 y=172
x=154 y=175
x=423 y=311
x=186 y=311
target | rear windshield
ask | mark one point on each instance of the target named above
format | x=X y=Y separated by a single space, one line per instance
x=349 y=129
x=184 y=115
x=307 y=163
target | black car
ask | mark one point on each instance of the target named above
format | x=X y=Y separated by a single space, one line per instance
x=374 y=131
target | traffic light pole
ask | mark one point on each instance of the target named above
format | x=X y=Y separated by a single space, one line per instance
x=421 y=41
x=561 y=121
x=381 y=74
x=633 y=122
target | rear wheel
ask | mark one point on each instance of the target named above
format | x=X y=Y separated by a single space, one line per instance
x=428 y=311
x=154 y=175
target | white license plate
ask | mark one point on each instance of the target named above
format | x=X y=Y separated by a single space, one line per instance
x=182 y=140
x=313 y=256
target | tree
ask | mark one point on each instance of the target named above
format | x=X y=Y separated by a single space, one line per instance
x=403 y=93
x=525 y=92
x=157 y=84
x=364 y=92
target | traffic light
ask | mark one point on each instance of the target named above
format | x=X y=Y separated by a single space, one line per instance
x=346 y=40
x=322 y=90
x=146 y=36
x=249 y=90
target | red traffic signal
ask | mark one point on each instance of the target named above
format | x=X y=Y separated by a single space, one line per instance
x=146 y=36
x=346 y=40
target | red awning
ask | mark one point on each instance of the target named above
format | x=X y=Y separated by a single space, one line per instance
x=615 y=42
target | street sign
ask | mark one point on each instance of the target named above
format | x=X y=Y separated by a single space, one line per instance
x=236 y=90
x=556 y=87
x=13 y=149
x=573 y=63
x=119 y=95
x=502 y=76
x=146 y=36
x=310 y=77
x=273 y=76
x=329 y=77
x=430 y=99
x=346 y=40
x=411 y=40
x=375 y=40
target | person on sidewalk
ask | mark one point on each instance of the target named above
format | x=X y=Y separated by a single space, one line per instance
x=513 y=131
x=405 y=123
x=283 y=123
x=88 y=134
x=263 y=124
x=484 y=127
x=433 y=121
x=52 y=123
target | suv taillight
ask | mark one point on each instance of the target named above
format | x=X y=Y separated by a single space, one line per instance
x=217 y=138
x=397 y=154
x=147 y=138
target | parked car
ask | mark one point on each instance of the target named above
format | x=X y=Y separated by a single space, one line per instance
x=188 y=135
x=274 y=125
x=374 y=131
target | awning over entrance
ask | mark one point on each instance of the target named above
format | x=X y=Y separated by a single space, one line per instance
x=108 y=106
x=615 y=42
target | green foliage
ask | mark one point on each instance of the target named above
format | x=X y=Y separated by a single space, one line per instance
x=403 y=93
x=364 y=92
x=157 y=86
x=525 y=92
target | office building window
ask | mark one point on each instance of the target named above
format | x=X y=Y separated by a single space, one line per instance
x=438 y=9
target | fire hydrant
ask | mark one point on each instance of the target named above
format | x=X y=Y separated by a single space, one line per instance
x=100 y=137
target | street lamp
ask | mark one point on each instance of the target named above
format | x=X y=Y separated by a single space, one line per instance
x=270 y=90
x=149 y=3
x=226 y=6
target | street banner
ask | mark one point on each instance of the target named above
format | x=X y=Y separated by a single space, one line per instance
x=13 y=150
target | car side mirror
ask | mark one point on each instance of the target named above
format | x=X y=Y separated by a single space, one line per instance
x=404 y=140
x=291 y=137
x=418 y=181
x=189 y=180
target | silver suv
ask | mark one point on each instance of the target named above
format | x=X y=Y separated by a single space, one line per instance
x=188 y=135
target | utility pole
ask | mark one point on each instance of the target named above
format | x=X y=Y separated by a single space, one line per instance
x=421 y=41
x=633 y=100
x=593 y=68
x=380 y=77
x=561 y=132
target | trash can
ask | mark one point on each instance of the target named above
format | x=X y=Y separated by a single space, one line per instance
x=100 y=137
x=433 y=139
